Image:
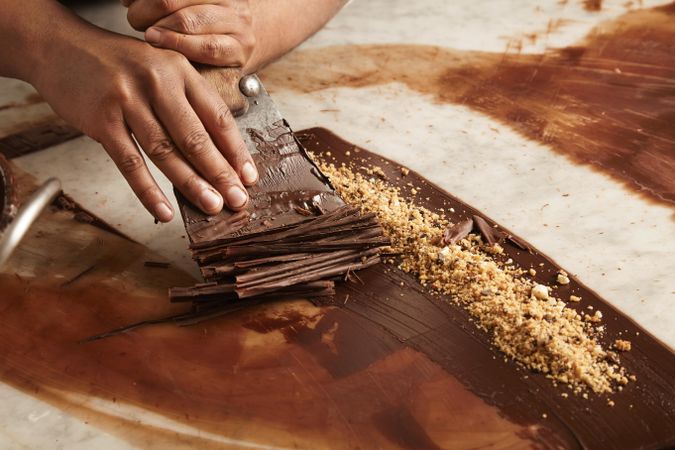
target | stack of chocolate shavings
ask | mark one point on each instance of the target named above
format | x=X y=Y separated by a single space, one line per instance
x=295 y=239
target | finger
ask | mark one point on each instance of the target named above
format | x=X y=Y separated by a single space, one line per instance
x=196 y=145
x=218 y=121
x=129 y=161
x=161 y=150
x=126 y=3
x=143 y=13
x=213 y=49
x=203 y=19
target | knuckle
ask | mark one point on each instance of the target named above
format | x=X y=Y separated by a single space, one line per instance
x=211 y=48
x=245 y=16
x=196 y=144
x=161 y=149
x=154 y=77
x=191 y=183
x=119 y=92
x=133 y=20
x=225 y=176
x=148 y=194
x=250 y=41
x=165 y=6
x=129 y=164
x=224 y=118
x=185 y=22
x=241 y=151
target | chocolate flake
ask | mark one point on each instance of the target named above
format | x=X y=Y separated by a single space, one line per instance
x=457 y=232
x=491 y=235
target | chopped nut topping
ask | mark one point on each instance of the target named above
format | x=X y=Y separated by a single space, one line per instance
x=562 y=278
x=533 y=272
x=574 y=298
x=540 y=291
x=622 y=346
x=405 y=171
x=526 y=323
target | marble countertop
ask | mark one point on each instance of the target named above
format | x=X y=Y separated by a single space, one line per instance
x=614 y=240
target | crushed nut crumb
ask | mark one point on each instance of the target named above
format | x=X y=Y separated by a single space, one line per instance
x=562 y=278
x=622 y=346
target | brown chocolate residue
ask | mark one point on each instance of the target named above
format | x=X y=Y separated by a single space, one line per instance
x=400 y=426
x=593 y=5
x=35 y=137
x=284 y=374
x=435 y=326
x=608 y=102
x=30 y=99
x=7 y=194
x=391 y=366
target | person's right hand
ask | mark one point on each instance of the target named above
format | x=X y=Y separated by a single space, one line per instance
x=110 y=86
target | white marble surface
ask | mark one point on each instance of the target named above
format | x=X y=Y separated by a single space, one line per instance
x=624 y=249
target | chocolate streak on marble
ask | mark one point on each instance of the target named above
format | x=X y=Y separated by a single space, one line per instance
x=38 y=137
x=607 y=102
x=8 y=200
x=644 y=412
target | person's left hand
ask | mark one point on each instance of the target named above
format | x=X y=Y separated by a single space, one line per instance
x=213 y=32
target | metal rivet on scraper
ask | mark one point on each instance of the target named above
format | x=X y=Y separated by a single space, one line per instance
x=249 y=86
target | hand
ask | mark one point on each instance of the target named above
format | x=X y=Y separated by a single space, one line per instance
x=110 y=86
x=214 y=32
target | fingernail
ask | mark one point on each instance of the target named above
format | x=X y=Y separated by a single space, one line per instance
x=163 y=213
x=210 y=200
x=249 y=174
x=152 y=35
x=236 y=197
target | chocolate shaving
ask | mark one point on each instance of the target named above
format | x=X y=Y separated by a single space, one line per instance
x=491 y=235
x=457 y=232
x=294 y=240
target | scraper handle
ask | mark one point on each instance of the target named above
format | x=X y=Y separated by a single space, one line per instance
x=226 y=82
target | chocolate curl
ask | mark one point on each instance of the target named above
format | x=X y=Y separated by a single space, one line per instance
x=490 y=234
x=457 y=232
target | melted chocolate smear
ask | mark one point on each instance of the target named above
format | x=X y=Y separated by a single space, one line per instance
x=322 y=377
x=38 y=137
x=7 y=194
x=392 y=365
x=608 y=102
x=644 y=412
